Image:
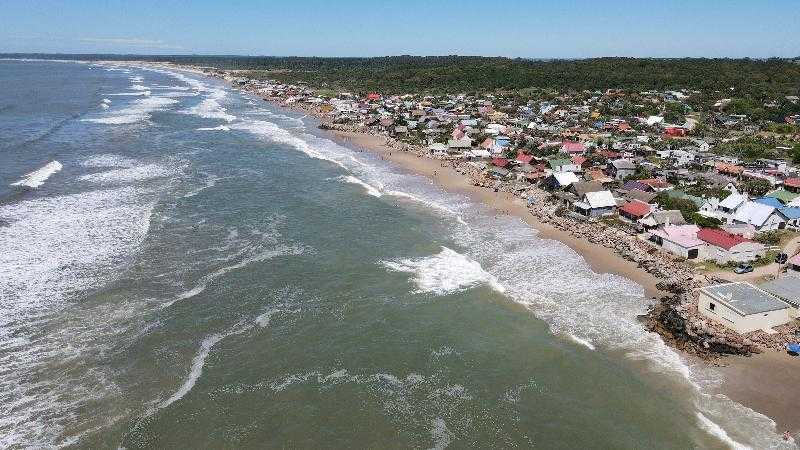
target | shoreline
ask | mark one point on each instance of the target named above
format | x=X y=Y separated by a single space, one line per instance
x=744 y=377
x=600 y=259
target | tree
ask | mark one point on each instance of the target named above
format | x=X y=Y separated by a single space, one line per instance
x=756 y=187
x=640 y=174
x=703 y=221
x=686 y=207
x=796 y=154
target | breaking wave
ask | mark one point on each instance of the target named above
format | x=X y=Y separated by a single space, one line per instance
x=39 y=176
x=717 y=431
x=445 y=273
x=54 y=249
x=218 y=128
x=130 y=174
x=138 y=111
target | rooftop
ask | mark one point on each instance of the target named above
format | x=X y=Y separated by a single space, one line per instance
x=745 y=298
x=786 y=288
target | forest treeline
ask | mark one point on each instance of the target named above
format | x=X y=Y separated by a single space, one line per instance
x=440 y=74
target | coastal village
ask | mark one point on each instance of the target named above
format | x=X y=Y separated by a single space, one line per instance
x=705 y=200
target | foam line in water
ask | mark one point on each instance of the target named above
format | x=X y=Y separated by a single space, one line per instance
x=445 y=273
x=196 y=370
x=281 y=250
x=371 y=190
x=217 y=128
x=584 y=342
x=39 y=176
x=717 y=431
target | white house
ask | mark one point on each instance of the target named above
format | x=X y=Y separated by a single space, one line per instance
x=728 y=206
x=596 y=204
x=742 y=307
x=762 y=217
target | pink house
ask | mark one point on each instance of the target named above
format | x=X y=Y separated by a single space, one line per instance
x=680 y=240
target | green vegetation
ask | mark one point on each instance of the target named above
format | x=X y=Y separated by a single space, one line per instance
x=751 y=80
x=768 y=237
x=703 y=221
x=756 y=188
x=750 y=148
x=686 y=207
x=641 y=173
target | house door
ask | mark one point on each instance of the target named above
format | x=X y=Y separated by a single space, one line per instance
x=693 y=253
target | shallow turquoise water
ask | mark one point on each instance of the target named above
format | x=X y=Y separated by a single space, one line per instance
x=208 y=271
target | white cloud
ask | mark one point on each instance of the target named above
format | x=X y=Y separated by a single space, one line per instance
x=131 y=42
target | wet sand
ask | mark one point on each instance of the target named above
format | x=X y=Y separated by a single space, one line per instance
x=768 y=383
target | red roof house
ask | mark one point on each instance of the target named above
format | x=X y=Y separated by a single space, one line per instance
x=579 y=160
x=720 y=238
x=792 y=184
x=500 y=162
x=675 y=131
x=635 y=209
x=524 y=159
x=573 y=148
x=373 y=96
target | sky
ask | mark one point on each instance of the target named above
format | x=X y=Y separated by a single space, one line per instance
x=513 y=28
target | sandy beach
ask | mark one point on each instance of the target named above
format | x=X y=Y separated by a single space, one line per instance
x=601 y=259
x=762 y=382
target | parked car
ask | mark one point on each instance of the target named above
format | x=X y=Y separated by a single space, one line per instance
x=781 y=258
x=743 y=268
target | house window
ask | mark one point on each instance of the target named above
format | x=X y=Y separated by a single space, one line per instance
x=711 y=306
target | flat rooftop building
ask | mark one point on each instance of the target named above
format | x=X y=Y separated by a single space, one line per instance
x=742 y=307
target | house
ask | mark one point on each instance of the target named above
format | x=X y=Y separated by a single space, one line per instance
x=621 y=168
x=561 y=165
x=460 y=144
x=501 y=162
x=659 y=218
x=635 y=210
x=656 y=185
x=675 y=131
x=731 y=203
x=760 y=216
x=680 y=240
x=742 y=307
x=596 y=204
x=637 y=186
x=792 y=185
x=573 y=148
x=783 y=195
x=560 y=180
x=792 y=215
x=724 y=247
x=786 y=288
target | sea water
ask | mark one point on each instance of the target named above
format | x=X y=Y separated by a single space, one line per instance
x=184 y=265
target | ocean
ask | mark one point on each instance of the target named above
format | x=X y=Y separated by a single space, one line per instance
x=184 y=265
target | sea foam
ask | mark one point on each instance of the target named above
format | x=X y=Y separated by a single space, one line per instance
x=371 y=190
x=444 y=273
x=39 y=176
